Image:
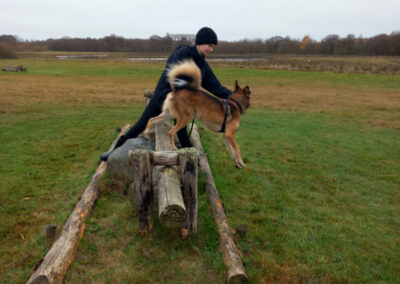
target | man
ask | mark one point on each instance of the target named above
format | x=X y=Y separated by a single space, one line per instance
x=206 y=40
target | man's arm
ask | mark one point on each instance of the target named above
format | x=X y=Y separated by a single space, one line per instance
x=211 y=84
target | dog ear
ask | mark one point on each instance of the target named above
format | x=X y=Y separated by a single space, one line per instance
x=236 y=85
x=247 y=91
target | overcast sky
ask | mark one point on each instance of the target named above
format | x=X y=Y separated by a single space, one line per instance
x=232 y=20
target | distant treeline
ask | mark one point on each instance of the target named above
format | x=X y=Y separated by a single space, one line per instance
x=382 y=44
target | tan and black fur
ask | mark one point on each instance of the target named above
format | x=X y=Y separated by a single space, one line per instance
x=185 y=102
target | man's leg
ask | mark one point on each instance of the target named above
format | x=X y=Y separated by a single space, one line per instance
x=152 y=109
x=184 y=138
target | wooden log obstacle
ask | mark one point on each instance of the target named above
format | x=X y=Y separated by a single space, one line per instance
x=177 y=195
x=177 y=209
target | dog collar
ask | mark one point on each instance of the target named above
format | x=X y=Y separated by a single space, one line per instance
x=237 y=104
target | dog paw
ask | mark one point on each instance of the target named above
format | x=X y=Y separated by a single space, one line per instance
x=240 y=165
x=146 y=134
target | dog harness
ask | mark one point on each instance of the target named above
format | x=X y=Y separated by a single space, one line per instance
x=228 y=111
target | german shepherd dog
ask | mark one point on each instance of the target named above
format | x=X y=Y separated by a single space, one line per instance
x=187 y=100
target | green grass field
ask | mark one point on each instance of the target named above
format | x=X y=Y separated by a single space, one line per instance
x=320 y=193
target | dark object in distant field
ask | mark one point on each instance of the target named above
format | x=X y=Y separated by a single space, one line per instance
x=19 y=68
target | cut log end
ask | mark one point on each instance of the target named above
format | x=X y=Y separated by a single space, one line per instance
x=172 y=217
x=239 y=278
x=42 y=279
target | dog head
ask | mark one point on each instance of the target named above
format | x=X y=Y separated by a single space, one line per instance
x=242 y=95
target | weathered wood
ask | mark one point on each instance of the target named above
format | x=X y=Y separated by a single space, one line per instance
x=62 y=253
x=230 y=254
x=165 y=158
x=189 y=178
x=142 y=180
x=171 y=207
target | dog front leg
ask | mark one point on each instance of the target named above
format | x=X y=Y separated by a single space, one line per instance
x=229 y=146
x=235 y=150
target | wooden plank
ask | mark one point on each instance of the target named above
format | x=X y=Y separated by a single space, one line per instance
x=230 y=254
x=57 y=260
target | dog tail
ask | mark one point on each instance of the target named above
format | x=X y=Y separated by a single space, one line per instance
x=184 y=75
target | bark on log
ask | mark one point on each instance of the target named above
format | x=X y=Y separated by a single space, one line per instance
x=63 y=251
x=142 y=180
x=171 y=208
x=189 y=177
x=230 y=254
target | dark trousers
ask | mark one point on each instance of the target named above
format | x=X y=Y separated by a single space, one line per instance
x=152 y=109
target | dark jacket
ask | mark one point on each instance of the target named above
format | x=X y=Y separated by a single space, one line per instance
x=209 y=81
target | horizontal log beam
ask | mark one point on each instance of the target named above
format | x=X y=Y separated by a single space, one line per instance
x=165 y=158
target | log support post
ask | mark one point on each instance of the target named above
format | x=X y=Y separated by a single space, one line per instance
x=189 y=177
x=142 y=180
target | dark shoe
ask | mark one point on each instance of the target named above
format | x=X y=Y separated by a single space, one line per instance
x=105 y=155
x=120 y=142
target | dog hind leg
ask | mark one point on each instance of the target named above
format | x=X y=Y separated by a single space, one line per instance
x=165 y=115
x=180 y=123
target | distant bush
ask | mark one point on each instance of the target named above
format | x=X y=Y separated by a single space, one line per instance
x=7 y=52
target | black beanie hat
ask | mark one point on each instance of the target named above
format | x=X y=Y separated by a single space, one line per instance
x=206 y=36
